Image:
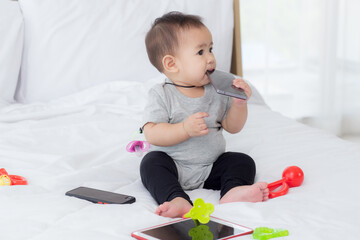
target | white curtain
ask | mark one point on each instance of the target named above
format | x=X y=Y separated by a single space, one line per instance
x=304 y=57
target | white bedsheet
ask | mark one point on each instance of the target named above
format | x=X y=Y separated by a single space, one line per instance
x=80 y=140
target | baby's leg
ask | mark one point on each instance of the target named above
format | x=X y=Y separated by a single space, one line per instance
x=159 y=175
x=234 y=173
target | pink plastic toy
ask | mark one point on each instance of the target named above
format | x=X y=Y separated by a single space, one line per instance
x=293 y=176
x=138 y=147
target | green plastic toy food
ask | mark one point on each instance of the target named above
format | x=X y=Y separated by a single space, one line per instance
x=264 y=233
x=201 y=211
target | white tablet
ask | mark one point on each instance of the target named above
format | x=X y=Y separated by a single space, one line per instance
x=223 y=84
x=186 y=229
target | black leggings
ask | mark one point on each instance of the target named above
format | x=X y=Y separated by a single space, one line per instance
x=160 y=176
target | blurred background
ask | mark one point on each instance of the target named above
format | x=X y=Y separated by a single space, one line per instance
x=304 y=58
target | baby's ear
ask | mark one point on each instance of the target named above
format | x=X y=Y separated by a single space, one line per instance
x=169 y=63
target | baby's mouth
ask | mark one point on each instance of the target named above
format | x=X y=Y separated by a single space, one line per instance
x=210 y=71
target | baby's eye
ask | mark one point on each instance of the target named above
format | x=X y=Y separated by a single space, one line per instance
x=211 y=50
x=201 y=52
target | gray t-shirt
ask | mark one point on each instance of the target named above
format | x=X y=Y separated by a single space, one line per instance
x=194 y=157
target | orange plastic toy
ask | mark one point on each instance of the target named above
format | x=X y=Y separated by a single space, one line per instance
x=293 y=176
x=7 y=180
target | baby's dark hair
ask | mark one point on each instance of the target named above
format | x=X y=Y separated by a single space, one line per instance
x=162 y=38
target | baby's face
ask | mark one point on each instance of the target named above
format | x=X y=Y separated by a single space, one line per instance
x=194 y=56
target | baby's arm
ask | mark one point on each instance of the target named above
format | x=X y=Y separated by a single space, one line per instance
x=237 y=114
x=167 y=134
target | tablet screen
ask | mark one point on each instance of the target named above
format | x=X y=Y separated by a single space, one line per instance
x=188 y=230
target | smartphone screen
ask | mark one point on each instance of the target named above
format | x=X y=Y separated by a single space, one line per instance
x=100 y=196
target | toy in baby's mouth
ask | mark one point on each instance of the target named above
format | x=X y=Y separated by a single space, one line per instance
x=7 y=180
x=138 y=147
x=293 y=176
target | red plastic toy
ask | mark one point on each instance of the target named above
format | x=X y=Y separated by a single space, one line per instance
x=7 y=180
x=293 y=176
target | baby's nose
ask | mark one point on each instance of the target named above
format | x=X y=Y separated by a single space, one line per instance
x=211 y=59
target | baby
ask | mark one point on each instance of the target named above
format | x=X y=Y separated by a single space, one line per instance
x=184 y=119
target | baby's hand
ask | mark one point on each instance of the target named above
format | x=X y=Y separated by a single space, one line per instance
x=240 y=83
x=195 y=124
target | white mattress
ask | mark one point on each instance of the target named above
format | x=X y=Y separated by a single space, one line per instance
x=80 y=140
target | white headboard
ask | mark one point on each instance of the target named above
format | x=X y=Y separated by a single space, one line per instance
x=71 y=45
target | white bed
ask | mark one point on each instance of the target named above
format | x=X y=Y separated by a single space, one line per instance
x=66 y=134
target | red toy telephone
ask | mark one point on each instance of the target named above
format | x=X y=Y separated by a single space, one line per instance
x=7 y=180
x=293 y=176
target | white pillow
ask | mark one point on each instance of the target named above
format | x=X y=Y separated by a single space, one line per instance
x=71 y=45
x=11 y=45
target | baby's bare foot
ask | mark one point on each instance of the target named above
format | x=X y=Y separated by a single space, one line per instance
x=258 y=192
x=173 y=209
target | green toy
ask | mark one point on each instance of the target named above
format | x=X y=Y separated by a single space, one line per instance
x=201 y=211
x=264 y=233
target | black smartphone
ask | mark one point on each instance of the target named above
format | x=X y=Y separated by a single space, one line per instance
x=100 y=196
x=223 y=84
